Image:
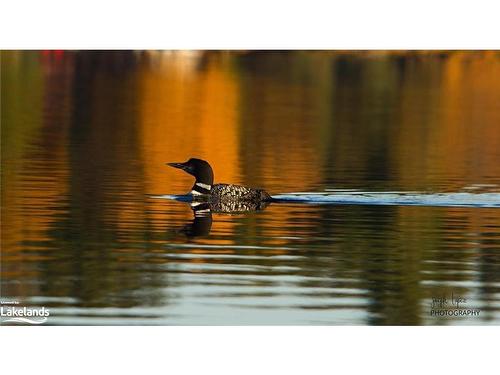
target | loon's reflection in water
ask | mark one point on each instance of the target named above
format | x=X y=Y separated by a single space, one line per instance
x=202 y=214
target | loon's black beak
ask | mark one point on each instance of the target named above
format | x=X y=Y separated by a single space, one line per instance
x=177 y=165
x=184 y=166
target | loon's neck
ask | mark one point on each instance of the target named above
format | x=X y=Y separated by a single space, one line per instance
x=201 y=188
x=204 y=180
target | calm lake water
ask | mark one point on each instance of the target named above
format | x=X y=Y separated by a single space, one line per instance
x=86 y=233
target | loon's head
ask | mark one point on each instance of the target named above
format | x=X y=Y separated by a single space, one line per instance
x=200 y=169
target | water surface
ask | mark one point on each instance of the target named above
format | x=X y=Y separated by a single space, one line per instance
x=388 y=166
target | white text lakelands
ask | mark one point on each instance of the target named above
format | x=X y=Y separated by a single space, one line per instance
x=23 y=311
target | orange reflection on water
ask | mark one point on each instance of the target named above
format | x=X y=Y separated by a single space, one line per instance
x=185 y=114
x=449 y=123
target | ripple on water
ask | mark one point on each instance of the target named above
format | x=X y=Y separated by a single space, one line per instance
x=463 y=199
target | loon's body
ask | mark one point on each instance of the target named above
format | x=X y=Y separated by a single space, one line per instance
x=204 y=189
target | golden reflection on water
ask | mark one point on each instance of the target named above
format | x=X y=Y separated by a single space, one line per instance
x=85 y=136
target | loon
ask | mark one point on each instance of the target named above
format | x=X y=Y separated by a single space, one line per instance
x=204 y=188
